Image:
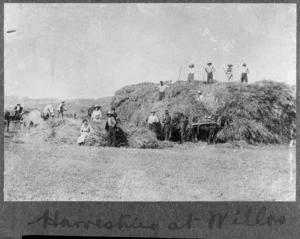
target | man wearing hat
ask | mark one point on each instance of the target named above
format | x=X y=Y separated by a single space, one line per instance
x=162 y=89
x=245 y=72
x=209 y=71
x=113 y=112
x=18 y=110
x=97 y=114
x=229 y=72
x=152 y=121
x=60 y=109
x=191 y=73
x=112 y=137
x=166 y=125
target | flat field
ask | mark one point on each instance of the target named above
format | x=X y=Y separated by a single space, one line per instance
x=41 y=171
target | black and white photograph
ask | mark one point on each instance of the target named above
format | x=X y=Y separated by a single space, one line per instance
x=150 y=102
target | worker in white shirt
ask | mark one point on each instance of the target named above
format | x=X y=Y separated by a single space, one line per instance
x=191 y=73
x=209 y=71
x=152 y=121
x=97 y=114
x=162 y=89
x=245 y=72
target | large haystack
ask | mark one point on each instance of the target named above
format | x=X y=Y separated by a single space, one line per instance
x=262 y=112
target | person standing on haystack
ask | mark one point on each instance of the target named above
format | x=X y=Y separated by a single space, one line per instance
x=245 y=72
x=209 y=71
x=112 y=125
x=152 y=121
x=166 y=125
x=191 y=73
x=162 y=89
x=229 y=72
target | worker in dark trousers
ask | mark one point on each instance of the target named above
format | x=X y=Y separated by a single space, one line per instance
x=245 y=72
x=112 y=138
x=209 y=71
x=18 y=110
x=167 y=125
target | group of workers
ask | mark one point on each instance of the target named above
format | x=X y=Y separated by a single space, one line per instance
x=111 y=123
x=166 y=123
x=209 y=70
x=110 y=126
x=153 y=119
x=19 y=109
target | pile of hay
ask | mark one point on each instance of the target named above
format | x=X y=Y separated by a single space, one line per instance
x=66 y=131
x=262 y=112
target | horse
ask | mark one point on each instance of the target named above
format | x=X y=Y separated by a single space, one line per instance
x=8 y=117
x=36 y=117
x=204 y=132
x=210 y=130
x=47 y=112
x=180 y=129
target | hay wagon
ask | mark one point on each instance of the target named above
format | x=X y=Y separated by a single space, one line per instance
x=205 y=130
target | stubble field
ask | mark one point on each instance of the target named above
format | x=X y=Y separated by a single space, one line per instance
x=41 y=171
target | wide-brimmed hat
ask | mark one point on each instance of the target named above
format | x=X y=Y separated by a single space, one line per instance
x=209 y=63
x=152 y=111
x=109 y=113
x=199 y=92
x=63 y=102
x=229 y=65
x=244 y=64
x=18 y=104
x=191 y=65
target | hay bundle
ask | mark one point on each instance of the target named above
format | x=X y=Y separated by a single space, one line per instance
x=264 y=112
x=139 y=137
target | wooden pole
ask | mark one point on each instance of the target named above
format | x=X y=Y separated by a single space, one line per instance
x=179 y=73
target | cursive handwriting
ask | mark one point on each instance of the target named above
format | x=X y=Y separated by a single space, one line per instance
x=188 y=224
x=214 y=220
x=260 y=218
x=249 y=218
x=124 y=222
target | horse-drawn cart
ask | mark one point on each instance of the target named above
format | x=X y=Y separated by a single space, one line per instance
x=205 y=130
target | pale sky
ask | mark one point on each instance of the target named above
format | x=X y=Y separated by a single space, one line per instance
x=92 y=50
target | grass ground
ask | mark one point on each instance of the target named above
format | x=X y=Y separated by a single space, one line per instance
x=41 y=171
